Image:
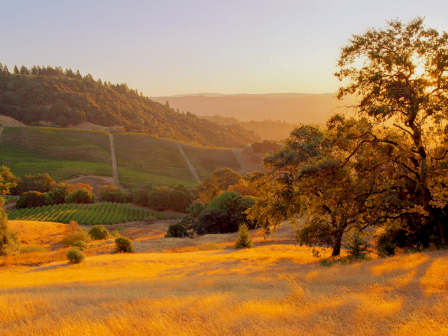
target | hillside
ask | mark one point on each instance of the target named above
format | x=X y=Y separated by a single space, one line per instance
x=60 y=97
x=276 y=288
x=141 y=159
x=291 y=108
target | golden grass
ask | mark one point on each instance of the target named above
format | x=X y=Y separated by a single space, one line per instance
x=270 y=290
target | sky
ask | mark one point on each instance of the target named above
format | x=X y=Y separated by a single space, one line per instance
x=171 y=47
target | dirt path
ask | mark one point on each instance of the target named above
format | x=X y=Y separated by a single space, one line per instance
x=190 y=166
x=239 y=159
x=114 y=162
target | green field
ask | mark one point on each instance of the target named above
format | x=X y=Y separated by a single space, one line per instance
x=206 y=160
x=62 y=153
x=135 y=177
x=141 y=159
x=87 y=214
x=144 y=160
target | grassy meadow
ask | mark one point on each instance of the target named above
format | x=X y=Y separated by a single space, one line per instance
x=62 y=153
x=206 y=160
x=277 y=288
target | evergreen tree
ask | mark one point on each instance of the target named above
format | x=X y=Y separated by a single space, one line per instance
x=244 y=240
x=16 y=70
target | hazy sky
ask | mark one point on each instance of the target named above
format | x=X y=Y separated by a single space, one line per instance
x=169 y=47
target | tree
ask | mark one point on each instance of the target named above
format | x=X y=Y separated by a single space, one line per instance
x=40 y=182
x=7 y=180
x=243 y=240
x=83 y=196
x=219 y=180
x=8 y=240
x=403 y=87
x=324 y=182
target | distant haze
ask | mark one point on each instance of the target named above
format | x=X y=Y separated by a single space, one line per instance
x=290 y=107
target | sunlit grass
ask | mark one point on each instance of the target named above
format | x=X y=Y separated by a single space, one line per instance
x=268 y=290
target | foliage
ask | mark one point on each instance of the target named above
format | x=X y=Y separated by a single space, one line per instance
x=164 y=198
x=66 y=97
x=124 y=245
x=75 y=256
x=316 y=177
x=81 y=245
x=31 y=199
x=76 y=236
x=82 y=196
x=40 y=182
x=214 y=221
x=9 y=244
x=7 y=180
x=356 y=247
x=403 y=87
x=99 y=232
x=243 y=240
x=110 y=193
x=176 y=231
x=219 y=181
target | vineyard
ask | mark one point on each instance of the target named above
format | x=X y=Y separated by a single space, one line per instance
x=88 y=214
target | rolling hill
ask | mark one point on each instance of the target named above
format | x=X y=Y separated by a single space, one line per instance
x=51 y=95
x=141 y=159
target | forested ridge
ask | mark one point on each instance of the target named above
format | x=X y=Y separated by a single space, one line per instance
x=66 y=97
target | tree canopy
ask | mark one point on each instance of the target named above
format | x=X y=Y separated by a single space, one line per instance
x=386 y=166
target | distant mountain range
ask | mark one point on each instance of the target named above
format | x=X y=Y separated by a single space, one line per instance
x=293 y=108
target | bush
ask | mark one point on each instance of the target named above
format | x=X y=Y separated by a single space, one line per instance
x=76 y=236
x=83 y=196
x=244 y=240
x=110 y=193
x=124 y=245
x=75 y=256
x=177 y=231
x=33 y=199
x=213 y=221
x=80 y=245
x=99 y=232
x=356 y=247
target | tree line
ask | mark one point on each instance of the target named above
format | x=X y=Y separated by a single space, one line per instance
x=65 y=97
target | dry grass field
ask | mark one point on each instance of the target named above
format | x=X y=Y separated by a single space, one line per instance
x=276 y=288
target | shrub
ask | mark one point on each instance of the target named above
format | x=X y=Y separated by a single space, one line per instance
x=110 y=193
x=244 y=240
x=177 y=231
x=80 y=245
x=98 y=232
x=75 y=256
x=76 y=237
x=356 y=247
x=213 y=221
x=124 y=245
x=80 y=196
x=33 y=249
x=74 y=226
x=116 y=234
x=33 y=199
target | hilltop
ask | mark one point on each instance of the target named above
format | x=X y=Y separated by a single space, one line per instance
x=64 y=97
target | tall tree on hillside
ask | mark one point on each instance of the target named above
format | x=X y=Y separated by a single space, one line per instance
x=403 y=87
x=325 y=183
